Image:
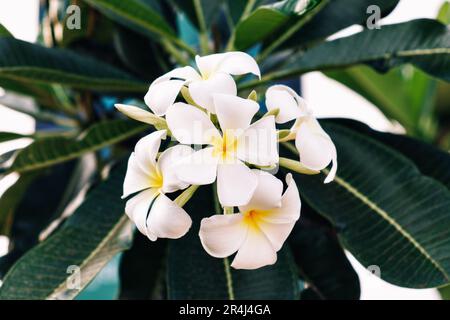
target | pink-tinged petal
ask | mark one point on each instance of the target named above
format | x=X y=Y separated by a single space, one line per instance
x=236 y=184
x=190 y=125
x=222 y=235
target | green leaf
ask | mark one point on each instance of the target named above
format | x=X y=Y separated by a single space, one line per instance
x=135 y=12
x=7 y=136
x=210 y=8
x=268 y=19
x=49 y=151
x=423 y=43
x=430 y=160
x=142 y=269
x=27 y=224
x=444 y=13
x=33 y=63
x=445 y=292
x=95 y=233
x=10 y=199
x=193 y=274
x=338 y=15
x=4 y=32
x=386 y=212
x=411 y=104
x=321 y=260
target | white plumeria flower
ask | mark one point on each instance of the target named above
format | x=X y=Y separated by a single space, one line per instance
x=315 y=147
x=214 y=77
x=151 y=179
x=226 y=151
x=260 y=228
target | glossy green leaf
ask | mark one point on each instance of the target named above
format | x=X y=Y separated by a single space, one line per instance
x=95 y=233
x=423 y=43
x=33 y=63
x=136 y=12
x=430 y=160
x=10 y=199
x=24 y=224
x=386 y=212
x=268 y=19
x=49 y=151
x=321 y=260
x=7 y=136
x=338 y=15
x=193 y=274
x=142 y=269
x=4 y=32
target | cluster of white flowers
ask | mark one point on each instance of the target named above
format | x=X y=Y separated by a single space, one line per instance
x=218 y=124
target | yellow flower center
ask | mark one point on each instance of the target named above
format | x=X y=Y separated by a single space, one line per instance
x=156 y=178
x=225 y=147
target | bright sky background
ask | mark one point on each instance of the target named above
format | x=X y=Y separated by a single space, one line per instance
x=328 y=98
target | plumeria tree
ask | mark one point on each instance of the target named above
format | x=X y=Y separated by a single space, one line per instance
x=174 y=134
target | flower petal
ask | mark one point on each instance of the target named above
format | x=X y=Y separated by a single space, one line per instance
x=202 y=91
x=199 y=168
x=222 y=235
x=315 y=147
x=136 y=179
x=235 y=63
x=190 y=125
x=161 y=95
x=277 y=233
x=167 y=220
x=236 y=184
x=184 y=73
x=147 y=148
x=290 y=205
x=255 y=252
x=267 y=194
x=234 y=112
x=290 y=104
x=167 y=162
x=138 y=114
x=258 y=144
x=238 y=63
x=137 y=208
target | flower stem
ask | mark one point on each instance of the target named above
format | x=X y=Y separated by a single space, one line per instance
x=296 y=166
x=247 y=10
x=186 y=195
x=203 y=30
